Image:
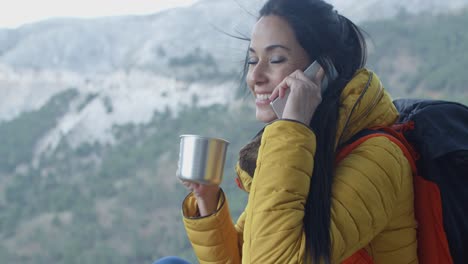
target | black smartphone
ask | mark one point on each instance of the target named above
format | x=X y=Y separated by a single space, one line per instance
x=279 y=103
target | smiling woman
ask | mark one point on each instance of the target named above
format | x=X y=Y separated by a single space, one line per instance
x=23 y=11
x=304 y=206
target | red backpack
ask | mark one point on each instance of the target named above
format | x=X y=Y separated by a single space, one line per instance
x=433 y=135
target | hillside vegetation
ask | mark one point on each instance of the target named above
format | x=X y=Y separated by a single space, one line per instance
x=422 y=56
x=110 y=204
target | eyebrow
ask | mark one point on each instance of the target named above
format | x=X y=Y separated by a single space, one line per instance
x=272 y=47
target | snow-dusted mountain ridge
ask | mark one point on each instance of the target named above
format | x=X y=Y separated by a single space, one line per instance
x=143 y=64
x=155 y=42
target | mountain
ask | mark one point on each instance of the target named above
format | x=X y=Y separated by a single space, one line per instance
x=140 y=64
x=136 y=57
x=374 y=10
x=153 y=42
x=102 y=203
x=61 y=53
x=423 y=56
x=161 y=41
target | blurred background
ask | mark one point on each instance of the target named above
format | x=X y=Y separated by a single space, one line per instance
x=94 y=96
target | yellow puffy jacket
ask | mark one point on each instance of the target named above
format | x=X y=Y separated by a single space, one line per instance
x=372 y=193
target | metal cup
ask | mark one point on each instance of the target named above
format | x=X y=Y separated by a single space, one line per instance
x=201 y=159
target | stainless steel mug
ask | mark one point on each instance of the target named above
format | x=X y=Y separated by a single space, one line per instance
x=201 y=159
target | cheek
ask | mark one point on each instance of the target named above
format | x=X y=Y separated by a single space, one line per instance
x=279 y=76
x=277 y=80
x=250 y=83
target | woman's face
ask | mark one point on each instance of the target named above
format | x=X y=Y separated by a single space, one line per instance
x=274 y=53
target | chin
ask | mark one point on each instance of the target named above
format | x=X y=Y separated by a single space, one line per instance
x=265 y=116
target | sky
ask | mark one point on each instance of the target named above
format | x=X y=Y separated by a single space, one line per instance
x=14 y=13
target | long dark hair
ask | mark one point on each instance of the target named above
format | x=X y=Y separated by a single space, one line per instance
x=323 y=33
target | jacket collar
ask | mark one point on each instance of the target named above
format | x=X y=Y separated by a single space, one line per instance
x=364 y=103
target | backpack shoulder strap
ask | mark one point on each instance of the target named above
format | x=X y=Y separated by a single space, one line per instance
x=362 y=256
x=387 y=132
x=432 y=241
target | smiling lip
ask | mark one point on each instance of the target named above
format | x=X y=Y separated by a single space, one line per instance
x=262 y=99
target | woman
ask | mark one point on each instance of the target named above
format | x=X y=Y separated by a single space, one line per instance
x=303 y=206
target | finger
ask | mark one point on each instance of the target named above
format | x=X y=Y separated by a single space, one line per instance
x=319 y=76
x=301 y=76
x=279 y=90
x=186 y=184
x=274 y=94
x=283 y=86
x=286 y=84
x=298 y=74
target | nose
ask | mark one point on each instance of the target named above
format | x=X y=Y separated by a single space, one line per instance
x=257 y=74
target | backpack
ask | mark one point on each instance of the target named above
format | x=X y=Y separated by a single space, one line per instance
x=433 y=135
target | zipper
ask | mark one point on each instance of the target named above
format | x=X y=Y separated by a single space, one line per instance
x=375 y=101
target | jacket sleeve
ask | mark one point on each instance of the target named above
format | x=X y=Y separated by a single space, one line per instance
x=214 y=238
x=361 y=208
x=273 y=226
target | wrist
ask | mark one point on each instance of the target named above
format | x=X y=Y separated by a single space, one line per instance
x=208 y=204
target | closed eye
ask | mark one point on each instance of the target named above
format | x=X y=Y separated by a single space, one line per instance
x=252 y=61
x=278 y=60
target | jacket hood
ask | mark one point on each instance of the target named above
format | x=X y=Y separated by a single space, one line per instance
x=364 y=103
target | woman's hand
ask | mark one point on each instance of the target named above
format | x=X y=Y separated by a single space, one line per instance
x=304 y=97
x=207 y=196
